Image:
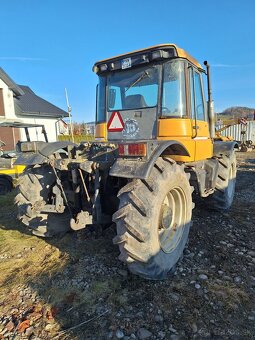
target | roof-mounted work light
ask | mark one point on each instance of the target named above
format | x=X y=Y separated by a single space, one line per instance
x=103 y=67
x=161 y=54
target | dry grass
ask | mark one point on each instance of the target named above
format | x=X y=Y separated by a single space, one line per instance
x=22 y=256
x=28 y=261
x=231 y=296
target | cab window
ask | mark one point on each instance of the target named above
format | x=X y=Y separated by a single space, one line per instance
x=100 y=111
x=192 y=99
x=133 y=88
x=174 y=91
x=199 y=102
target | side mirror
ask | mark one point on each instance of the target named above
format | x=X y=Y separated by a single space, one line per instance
x=111 y=98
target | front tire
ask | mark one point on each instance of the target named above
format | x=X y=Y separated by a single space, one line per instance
x=223 y=196
x=154 y=219
x=34 y=186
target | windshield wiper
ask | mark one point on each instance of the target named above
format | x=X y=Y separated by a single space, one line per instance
x=142 y=76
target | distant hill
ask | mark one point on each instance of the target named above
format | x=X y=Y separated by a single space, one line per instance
x=237 y=112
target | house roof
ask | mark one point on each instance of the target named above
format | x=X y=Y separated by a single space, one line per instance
x=29 y=104
x=10 y=83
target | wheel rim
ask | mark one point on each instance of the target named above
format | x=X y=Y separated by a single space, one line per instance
x=172 y=219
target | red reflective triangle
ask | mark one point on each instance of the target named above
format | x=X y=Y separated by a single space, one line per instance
x=115 y=123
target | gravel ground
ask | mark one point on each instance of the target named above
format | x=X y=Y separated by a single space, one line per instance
x=93 y=296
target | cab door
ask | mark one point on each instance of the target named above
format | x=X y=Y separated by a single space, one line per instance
x=200 y=124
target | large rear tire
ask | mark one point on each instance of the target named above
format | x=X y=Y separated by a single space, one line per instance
x=154 y=219
x=223 y=196
x=35 y=185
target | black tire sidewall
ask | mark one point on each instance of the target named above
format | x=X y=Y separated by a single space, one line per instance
x=160 y=263
x=6 y=186
x=222 y=199
x=35 y=185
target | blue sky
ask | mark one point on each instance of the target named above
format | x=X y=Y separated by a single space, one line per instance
x=52 y=44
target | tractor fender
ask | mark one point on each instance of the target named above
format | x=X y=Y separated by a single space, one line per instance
x=50 y=148
x=221 y=148
x=137 y=168
x=44 y=150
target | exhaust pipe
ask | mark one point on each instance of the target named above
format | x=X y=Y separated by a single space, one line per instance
x=210 y=103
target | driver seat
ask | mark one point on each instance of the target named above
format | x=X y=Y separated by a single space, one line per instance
x=135 y=101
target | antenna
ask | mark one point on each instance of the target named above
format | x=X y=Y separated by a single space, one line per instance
x=69 y=109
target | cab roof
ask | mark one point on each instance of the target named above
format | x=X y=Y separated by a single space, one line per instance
x=179 y=53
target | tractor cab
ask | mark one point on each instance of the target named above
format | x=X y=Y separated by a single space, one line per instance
x=154 y=94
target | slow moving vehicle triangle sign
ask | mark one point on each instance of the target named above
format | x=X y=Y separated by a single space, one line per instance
x=115 y=123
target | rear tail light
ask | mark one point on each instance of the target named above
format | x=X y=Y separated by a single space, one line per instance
x=138 y=149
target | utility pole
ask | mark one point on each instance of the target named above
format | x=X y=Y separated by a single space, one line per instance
x=69 y=109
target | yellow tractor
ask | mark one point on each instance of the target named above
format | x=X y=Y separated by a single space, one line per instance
x=161 y=146
x=9 y=171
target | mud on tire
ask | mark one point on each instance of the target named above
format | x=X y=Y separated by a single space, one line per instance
x=154 y=219
x=223 y=196
x=35 y=186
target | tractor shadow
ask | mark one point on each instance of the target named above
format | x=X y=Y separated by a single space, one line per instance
x=75 y=278
x=86 y=282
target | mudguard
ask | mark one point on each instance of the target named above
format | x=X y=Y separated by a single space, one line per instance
x=44 y=150
x=221 y=148
x=138 y=168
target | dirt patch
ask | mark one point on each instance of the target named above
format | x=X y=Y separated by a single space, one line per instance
x=76 y=288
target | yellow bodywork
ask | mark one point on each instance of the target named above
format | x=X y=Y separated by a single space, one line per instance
x=14 y=171
x=197 y=141
x=101 y=132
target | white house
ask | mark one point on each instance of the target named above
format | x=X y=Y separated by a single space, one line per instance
x=90 y=128
x=18 y=103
